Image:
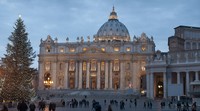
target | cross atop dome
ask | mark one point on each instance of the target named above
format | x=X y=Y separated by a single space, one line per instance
x=113 y=14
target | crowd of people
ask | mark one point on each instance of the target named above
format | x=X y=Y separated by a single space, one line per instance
x=97 y=105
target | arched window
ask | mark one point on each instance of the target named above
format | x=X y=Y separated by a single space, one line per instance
x=188 y=46
x=194 y=45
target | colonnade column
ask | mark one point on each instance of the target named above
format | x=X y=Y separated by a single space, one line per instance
x=76 y=75
x=41 y=75
x=151 y=85
x=88 y=75
x=165 y=84
x=147 y=84
x=196 y=76
x=66 y=76
x=110 y=82
x=106 y=75
x=178 y=81
x=178 y=78
x=54 y=75
x=187 y=83
x=122 y=73
x=98 y=75
x=80 y=75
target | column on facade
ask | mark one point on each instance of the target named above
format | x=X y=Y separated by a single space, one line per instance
x=110 y=75
x=178 y=77
x=98 y=75
x=147 y=84
x=196 y=76
x=76 y=75
x=41 y=75
x=187 y=83
x=54 y=75
x=80 y=75
x=122 y=73
x=66 y=84
x=165 y=84
x=151 y=85
x=106 y=75
x=88 y=75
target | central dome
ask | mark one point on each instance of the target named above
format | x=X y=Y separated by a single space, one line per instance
x=112 y=30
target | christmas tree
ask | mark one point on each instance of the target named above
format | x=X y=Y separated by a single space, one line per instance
x=18 y=60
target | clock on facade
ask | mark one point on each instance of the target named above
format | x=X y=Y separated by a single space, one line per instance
x=143 y=48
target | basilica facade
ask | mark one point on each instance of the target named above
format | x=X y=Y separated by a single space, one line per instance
x=113 y=60
x=110 y=60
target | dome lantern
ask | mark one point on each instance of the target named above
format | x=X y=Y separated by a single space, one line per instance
x=113 y=14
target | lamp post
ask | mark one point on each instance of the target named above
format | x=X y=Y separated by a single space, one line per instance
x=48 y=83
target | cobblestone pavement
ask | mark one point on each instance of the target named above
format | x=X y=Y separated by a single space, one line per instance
x=128 y=106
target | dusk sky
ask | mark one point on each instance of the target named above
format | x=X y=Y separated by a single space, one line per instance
x=76 y=18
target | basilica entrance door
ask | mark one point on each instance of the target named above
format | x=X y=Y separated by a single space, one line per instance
x=93 y=82
x=116 y=83
x=159 y=86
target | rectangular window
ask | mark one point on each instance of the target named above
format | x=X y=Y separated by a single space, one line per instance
x=116 y=49
x=72 y=66
x=72 y=49
x=61 y=50
x=102 y=66
x=47 y=66
x=93 y=65
x=103 y=49
x=116 y=65
x=84 y=49
x=84 y=66
x=128 y=49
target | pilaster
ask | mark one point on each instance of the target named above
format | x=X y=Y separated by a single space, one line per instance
x=98 y=75
x=80 y=75
x=88 y=75
x=66 y=84
x=106 y=75
x=110 y=82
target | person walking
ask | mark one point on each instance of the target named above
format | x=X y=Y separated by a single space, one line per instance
x=52 y=106
x=109 y=108
x=22 y=106
x=32 y=107
x=194 y=106
x=4 y=108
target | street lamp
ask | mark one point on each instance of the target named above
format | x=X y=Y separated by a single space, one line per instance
x=48 y=82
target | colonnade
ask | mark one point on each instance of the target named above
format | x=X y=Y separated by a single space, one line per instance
x=190 y=76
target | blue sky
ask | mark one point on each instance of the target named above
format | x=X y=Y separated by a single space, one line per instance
x=76 y=18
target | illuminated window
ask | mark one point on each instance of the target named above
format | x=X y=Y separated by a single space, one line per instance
x=72 y=66
x=84 y=49
x=102 y=66
x=93 y=65
x=116 y=49
x=84 y=66
x=116 y=65
x=61 y=50
x=143 y=68
x=47 y=66
x=103 y=49
x=128 y=49
x=72 y=49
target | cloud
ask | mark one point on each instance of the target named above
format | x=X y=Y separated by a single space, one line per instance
x=73 y=18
